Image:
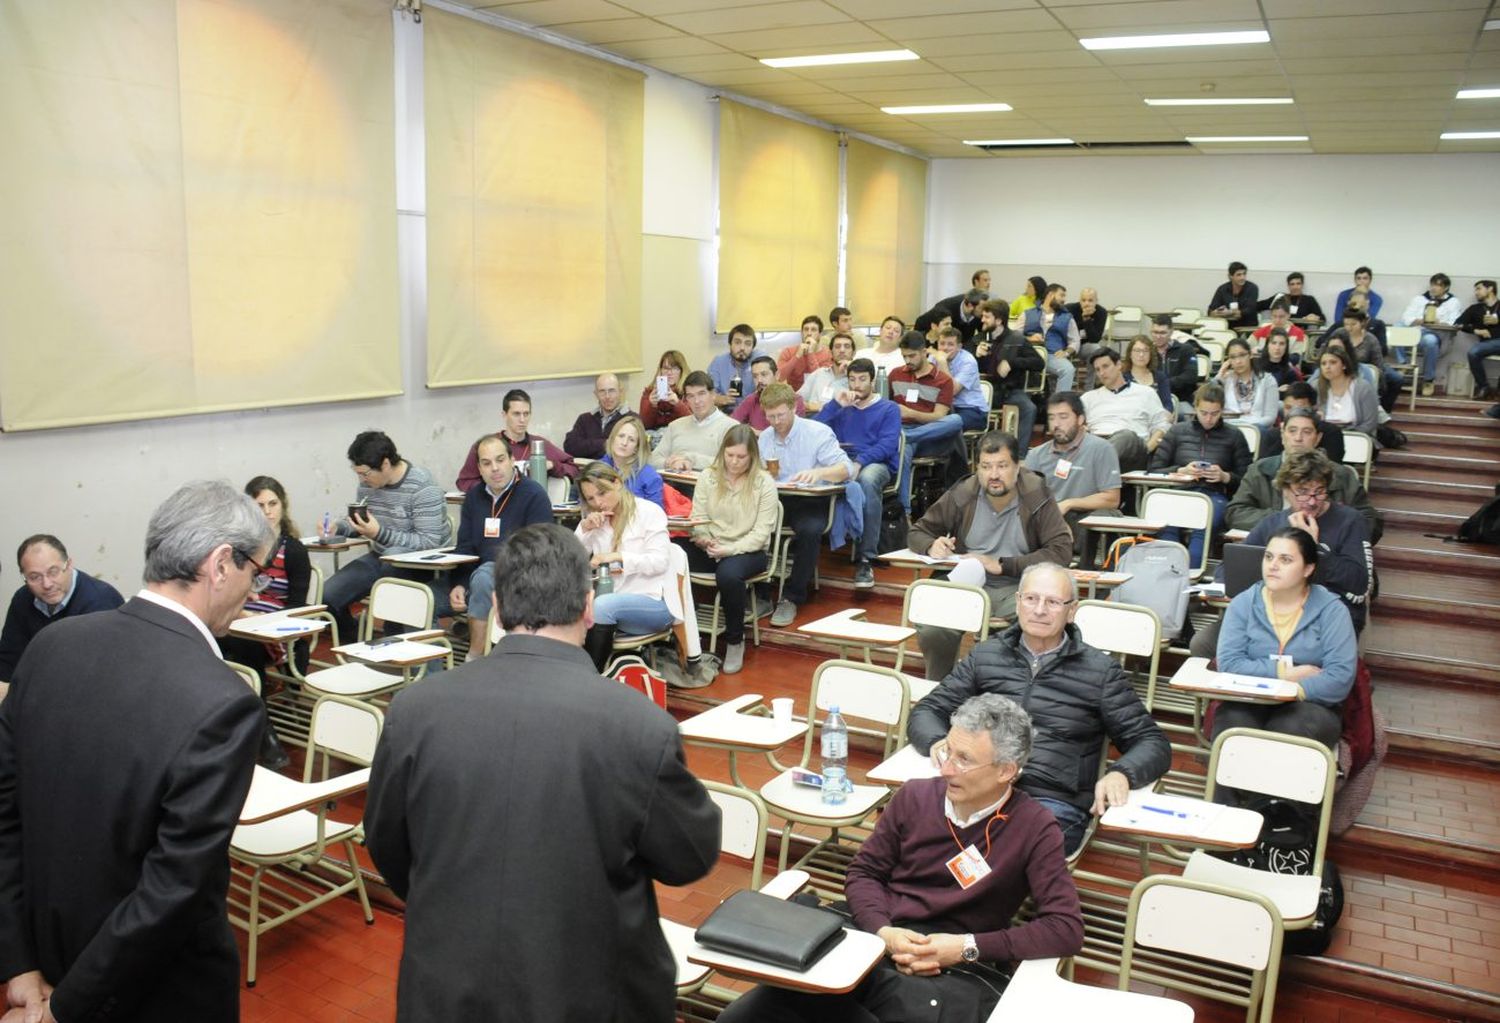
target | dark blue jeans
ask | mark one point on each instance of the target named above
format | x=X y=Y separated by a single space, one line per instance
x=1073 y=821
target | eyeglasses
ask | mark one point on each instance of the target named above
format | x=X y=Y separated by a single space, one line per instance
x=1036 y=600
x=1309 y=495
x=960 y=763
x=262 y=577
x=51 y=575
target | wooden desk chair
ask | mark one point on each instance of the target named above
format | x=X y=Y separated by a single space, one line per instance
x=286 y=845
x=402 y=601
x=1124 y=322
x=1404 y=341
x=784 y=558
x=1359 y=454
x=1037 y=991
x=1186 y=314
x=250 y=676
x=711 y=618
x=1183 y=509
x=946 y=605
x=862 y=691
x=1204 y=939
x=1251 y=433
x=687 y=641
x=1218 y=323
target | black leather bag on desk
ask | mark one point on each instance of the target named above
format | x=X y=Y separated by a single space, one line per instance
x=771 y=930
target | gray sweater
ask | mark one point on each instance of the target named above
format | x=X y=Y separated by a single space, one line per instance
x=413 y=514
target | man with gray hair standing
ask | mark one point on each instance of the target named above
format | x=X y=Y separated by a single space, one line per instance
x=126 y=750
x=946 y=918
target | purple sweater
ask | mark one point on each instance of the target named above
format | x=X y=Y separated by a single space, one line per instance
x=899 y=876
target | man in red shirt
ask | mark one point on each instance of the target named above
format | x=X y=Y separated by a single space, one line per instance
x=1281 y=316
x=924 y=394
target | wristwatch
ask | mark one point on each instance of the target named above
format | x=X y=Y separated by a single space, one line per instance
x=970 y=954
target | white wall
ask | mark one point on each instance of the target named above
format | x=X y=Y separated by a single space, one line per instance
x=95 y=487
x=1160 y=231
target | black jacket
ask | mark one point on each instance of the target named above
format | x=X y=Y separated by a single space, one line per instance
x=1188 y=442
x=1080 y=696
x=1022 y=355
x=1182 y=367
x=1090 y=328
x=952 y=306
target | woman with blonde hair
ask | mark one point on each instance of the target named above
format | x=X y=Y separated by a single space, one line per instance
x=737 y=497
x=627 y=448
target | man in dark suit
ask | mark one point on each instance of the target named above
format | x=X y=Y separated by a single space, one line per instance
x=962 y=310
x=126 y=750
x=523 y=807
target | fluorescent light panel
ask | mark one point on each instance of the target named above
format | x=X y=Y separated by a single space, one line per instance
x=825 y=59
x=1492 y=24
x=1465 y=136
x=1478 y=94
x=1178 y=39
x=1248 y=101
x=1211 y=139
x=1019 y=142
x=949 y=108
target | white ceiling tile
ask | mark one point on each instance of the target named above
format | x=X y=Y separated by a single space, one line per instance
x=558 y=12
x=755 y=17
x=1176 y=15
x=867 y=10
x=695 y=63
x=617 y=30
x=958 y=25
x=652 y=51
x=786 y=42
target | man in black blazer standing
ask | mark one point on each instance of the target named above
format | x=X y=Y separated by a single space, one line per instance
x=126 y=750
x=523 y=806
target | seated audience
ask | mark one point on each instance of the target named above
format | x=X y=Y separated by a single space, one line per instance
x=1249 y=396
x=661 y=399
x=931 y=333
x=980 y=279
x=1345 y=398
x=1259 y=496
x=1006 y=357
x=943 y=940
x=690 y=442
x=1237 y=299
x=1304 y=396
x=404 y=510
x=1081 y=471
x=1178 y=355
x=504 y=502
x=1482 y=319
x=820 y=385
x=53 y=590
x=962 y=312
x=737 y=499
x=630 y=453
x=517 y=408
x=1077 y=694
x=1281 y=319
x=1142 y=367
x=924 y=396
x=762 y=373
x=1368 y=349
x=1435 y=305
x=586 y=439
x=841 y=320
x=886 y=352
x=1031 y=297
x=1287 y=626
x=1276 y=361
x=969 y=402
x=868 y=428
x=1299 y=304
x=998 y=522
x=805 y=451
x=1213 y=453
x=1371 y=299
x=283 y=582
x=1051 y=326
x=795 y=362
x=1126 y=414
x=730 y=370
x=1092 y=318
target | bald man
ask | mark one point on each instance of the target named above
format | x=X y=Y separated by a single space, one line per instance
x=586 y=439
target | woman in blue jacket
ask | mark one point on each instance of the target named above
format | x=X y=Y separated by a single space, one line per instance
x=1288 y=627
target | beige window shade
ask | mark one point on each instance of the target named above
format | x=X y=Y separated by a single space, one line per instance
x=778 y=219
x=533 y=208
x=198 y=207
x=886 y=196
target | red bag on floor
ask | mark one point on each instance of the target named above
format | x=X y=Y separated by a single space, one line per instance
x=1359 y=721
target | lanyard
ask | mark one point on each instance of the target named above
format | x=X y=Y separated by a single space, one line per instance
x=496 y=510
x=996 y=816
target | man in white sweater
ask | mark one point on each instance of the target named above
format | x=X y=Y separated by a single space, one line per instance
x=1127 y=414
x=689 y=443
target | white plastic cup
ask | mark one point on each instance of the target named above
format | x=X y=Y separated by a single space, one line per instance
x=781 y=709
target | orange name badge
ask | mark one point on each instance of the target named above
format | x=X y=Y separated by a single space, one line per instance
x=1064 y=467
x=491 y=528
x=968 y=868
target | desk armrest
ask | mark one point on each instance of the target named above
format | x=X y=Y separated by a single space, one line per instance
x=785 y=884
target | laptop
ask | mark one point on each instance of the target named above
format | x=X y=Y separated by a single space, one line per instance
x=1241 y=567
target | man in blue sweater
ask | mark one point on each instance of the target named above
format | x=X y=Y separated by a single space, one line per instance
x=54 y=590
x=504 y=503
x=868 y=427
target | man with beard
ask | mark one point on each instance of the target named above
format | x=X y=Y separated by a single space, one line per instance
x=819 y=387
x=1051 y=326
x=1082 y=471
x=997 y=521
x=1005 y=357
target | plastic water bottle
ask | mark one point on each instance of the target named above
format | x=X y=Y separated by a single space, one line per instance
x=835 y=738
x=539 y=462
x=882 y=386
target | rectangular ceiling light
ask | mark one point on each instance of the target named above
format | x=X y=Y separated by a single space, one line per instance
x=1198 y=139
x=1179 y=39
x=1464 y=136
x=1478 y=94
x=825 y=59
x=949 y=108
x=1492 y=24
x=1019 y=142
x=1248 y=101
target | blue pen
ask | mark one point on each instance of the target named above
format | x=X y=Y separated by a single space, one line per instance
x=1163 y=810
x=290 y=628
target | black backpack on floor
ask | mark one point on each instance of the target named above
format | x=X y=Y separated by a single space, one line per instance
x=1484 y=525
x=1287 y=846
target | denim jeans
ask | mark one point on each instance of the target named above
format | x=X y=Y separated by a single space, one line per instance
x=1428 y=347
x=1477 y=356
x=480 y=591
x=934 y=438
x=873 y=479
x=1073 y=821
x=352 y=583
x=634 y=614
x=1194 y=541
x=1060 y=366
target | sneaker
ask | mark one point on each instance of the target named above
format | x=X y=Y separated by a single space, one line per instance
x=785 y=614
x=1427 y=388
x=734 y=657
x=864 y=576
x=1493 y=412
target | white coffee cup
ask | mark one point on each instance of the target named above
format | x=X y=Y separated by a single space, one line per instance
x=781 y=709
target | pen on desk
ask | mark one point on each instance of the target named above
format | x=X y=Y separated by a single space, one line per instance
x=290 y=628
x=1163 y=810
x=431 y=557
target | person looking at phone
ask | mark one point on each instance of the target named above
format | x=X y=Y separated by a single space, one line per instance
x=1216 y=456
x=398 y=507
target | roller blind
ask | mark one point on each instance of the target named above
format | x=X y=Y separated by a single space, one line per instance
x=886 y=197
x=533 y=207
x=778 y=219
x=199 y=207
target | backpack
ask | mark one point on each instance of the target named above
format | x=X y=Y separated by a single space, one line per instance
x=1484 y=525
x=1388 y=436
x=1286 y=847
x=1159 y=578
x=893 y=525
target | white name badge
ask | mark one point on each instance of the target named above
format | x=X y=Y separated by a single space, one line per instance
x=1282 y=660
x=913 y=394
x=491 y=528
x=827 y=393
x=1063 y=468
x=968 y=868
x=1292 y=309
x=1234 y=305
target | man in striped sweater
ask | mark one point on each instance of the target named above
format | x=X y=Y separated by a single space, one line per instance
x=404 y=510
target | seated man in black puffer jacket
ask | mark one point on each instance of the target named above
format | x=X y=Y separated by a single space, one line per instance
x=1075 y=694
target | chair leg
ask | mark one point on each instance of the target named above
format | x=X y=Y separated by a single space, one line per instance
x=359 y=882
x=253 y=941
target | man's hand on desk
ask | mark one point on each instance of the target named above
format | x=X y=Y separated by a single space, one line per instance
x=1112 y=790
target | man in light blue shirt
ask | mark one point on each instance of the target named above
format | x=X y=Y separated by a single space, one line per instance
x=734 y=365
x=805 y=452
x=968 y=396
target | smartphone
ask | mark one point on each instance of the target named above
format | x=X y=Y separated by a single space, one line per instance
x=661 y=389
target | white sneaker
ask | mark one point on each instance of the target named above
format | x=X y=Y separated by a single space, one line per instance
x=785 y=614
x=734 y=658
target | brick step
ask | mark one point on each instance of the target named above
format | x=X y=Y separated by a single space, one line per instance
x=1411 y=548
x=1464 y=423
x=1448 y=456
x=1429 y=810
x=1456 y=486
x=1439 y=720
x=1455 y=439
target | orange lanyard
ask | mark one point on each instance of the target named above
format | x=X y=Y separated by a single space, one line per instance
x=495 y=511
x=996 y=816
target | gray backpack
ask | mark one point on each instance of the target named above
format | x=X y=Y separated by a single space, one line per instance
x=1159 y=578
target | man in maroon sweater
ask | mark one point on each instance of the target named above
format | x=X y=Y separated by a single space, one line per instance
x=940 y=879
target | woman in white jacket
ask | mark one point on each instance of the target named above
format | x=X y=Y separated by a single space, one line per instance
x=1250 y=396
